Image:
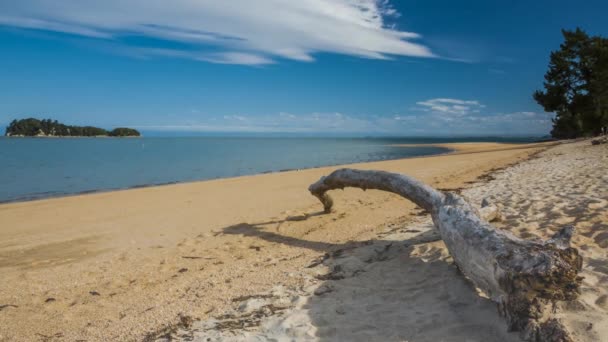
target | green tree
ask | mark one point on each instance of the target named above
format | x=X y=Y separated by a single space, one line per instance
x=33 y=127
x=576 y=86
x=124 y=132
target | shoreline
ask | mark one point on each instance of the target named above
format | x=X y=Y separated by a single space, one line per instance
x=453 y=149
x=120 y=265
x=478 y=147
x=402 y=283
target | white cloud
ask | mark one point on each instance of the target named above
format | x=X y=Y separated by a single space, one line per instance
x=405 y=118
x=453 y=107
x=235 y=118
x=426 y=123
x=282 y=122
x=237 y=31
x=456 y=116
x=496 y=71
x=470 y=117
x=235 y=58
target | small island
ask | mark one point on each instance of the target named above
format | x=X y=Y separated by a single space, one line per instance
x=52 y=128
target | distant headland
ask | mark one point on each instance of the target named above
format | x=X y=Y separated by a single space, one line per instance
x=52 y=128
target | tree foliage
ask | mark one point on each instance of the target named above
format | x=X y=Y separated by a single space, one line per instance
x=123 y=132
x=33 y=127
x=576 y=86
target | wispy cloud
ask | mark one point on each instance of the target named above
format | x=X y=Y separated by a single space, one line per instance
x=241 y=31
x=496 y=71
x=453 y=107
x=457 y=116
x=411 y=123
x=282 y=122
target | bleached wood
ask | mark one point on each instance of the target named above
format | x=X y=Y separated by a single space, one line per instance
x=524 y=277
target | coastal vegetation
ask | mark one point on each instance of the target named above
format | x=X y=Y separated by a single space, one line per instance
x=576 y=86
x=124 y=132
x=52 y=128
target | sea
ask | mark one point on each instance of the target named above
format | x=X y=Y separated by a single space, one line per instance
x=35 y=168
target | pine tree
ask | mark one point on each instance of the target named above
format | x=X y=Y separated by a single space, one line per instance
x=576 y=86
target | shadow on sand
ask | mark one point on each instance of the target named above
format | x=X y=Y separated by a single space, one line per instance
x=404 y=288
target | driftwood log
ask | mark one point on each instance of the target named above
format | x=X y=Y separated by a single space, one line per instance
x=525 y=278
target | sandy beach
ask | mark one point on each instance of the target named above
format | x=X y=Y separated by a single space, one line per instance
x=242 y=258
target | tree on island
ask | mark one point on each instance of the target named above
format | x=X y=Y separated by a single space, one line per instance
x=123 y=132
x=33 y=127
x=576 y=86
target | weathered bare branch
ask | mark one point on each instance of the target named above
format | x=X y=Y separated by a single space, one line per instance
x=522 y=276
x=408 y=187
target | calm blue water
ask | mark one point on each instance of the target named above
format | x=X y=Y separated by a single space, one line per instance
x=33 y=168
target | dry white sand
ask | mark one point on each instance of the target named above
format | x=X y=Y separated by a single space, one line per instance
x=400 y=287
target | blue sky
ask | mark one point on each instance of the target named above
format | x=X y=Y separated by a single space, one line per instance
x=355 y=67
